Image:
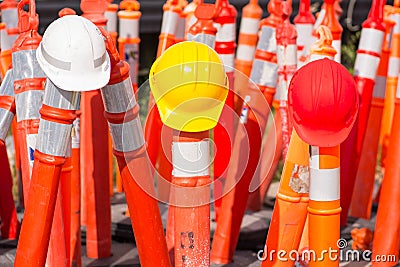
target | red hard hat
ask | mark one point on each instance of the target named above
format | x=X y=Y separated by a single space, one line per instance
x=323 y=103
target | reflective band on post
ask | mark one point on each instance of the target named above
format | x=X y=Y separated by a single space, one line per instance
x=371 y=40
x=111 y=21
x=118 y=97
x=245 y=52
x=380 y=87
x=7 y=85
x=314 y=57
x=169 y=22
x=53 y=138
x=396 y=27
x=207 y=39
x=180 y=29
x=324 y=183
x=393 y=67
x=127 y=136
x=25 y=65
x=229 y=61
x=76 y=133
x=366 y=66
x=191 y=159
x=7 y=41
x=337 y=44
x=128 y=28
x=28 y=104
x=264 y=73
x=287 y=56
x=58 y=98
x=267 y=40
x=30 y=146
x=10 y=17
x=225 y=32
x=249 y=26
x=281 y=91
x=304 y=33
x=6 y=118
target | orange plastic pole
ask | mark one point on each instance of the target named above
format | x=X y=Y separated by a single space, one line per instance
x=191 y=194
x=255 y=110
x=304 y=22
x=361 y=202
x=290 y=210
x=387 y=228
x=10 y=34
x=181 y=25
x=247 y=42
x=112 y=19
x=188 y=12
x=8 y=214
x=94 y=153
x=130 y=150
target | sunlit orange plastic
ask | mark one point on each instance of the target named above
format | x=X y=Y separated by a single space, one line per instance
x=94 y=152
x=188 y=11
x=387 y=228
x=290 y=210
x=66 y=196
x=331 y=21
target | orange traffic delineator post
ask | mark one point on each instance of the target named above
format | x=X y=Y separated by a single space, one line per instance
x=247 y=42
x=365 y=69
x=304 y=22
x=8 y=214
x=290 y=210
x=193 y=116
x=258 y=98
x=112 y=20
x=387 y=228
x=225 y=44
x=9 y=16
x=95 y=154
x=331 y=92
x=130 y=150
x=393 y=13
x=190 y=18
x=361 y=203
x=180 y=32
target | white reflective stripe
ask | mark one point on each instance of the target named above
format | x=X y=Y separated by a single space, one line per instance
x=119 y=97
x=245 y=52
x=180 y=29
x=324 y=183
x=10 y=17
x=380 y=87
x=76 y=133
x=264 y=73
x=396 y=27
x=366 y=66
x=6 y=118
x=28 y=104
x=31 y=146
x=287 y=56
x=393 y=67
x=267 y=40
x=127 y=136
x=337 y=44
x=249 y=26
x=191 y=159
x=320 y=17
x=25 y=65
x=225 y=32
x=128 y=28
x=207 y=39
x=281 y=90
x=68 y=153
x=314 y=57
x=7 y=85
x=53 y=138
x=228 y=60
x=371 y=40
x=190 y=20
x=304 y=33
x=111 y=21
x=7 y=41
x=169 y=22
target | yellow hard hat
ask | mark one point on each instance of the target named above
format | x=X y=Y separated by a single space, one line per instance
x=189 y=85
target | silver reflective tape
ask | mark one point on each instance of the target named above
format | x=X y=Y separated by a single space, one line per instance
x=28 y=104
x=203 y=38
x=169 y=22
x=68 y=152
x=53 y=138
x=76 y=133
x=111 y=21
x=366 y=66
x=127 y=136
x=7 y=85
x=245 y=52
x=6 y=118
x=118 y=97
x=10 y=17
x=191 y=159
x=59 y=98
x=264 y=73
x=380 y=87
x=54 y=61
x=249 y=26
x=7 y=40
x=394 y=67
x=267 y=40
x=129 y=28
x=25 y=65
x=324 y=183
x=371 y=40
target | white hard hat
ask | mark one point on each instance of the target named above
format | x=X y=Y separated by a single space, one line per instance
x=73 y=54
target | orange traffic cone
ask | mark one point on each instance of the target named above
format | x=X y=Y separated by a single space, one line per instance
x=361 y=202
x=95 y=155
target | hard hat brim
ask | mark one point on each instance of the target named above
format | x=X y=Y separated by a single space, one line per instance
x=77 y=83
